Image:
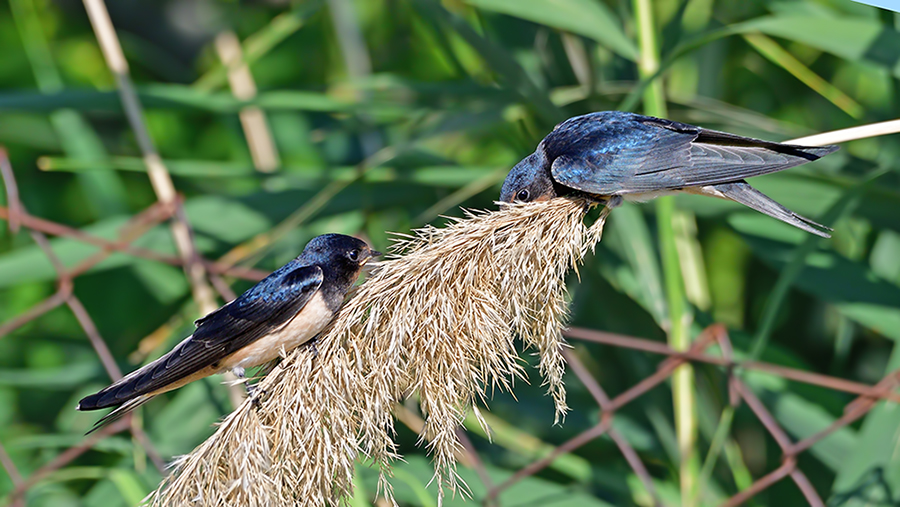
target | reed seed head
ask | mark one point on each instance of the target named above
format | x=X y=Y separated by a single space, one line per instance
x=437 y=321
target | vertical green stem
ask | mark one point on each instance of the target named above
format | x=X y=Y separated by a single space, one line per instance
x=648 y=63
x=679 y=339
x=679 y=313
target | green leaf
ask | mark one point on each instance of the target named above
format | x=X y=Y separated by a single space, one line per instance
x=635 y=433
x=640 y=277
x=62 y=441
x=189 y=168
x=803 y=418
x=413 y=486
x=417 y=487
x=879 y=318
x=262 y=42
x=166 y=283
x=27 y=130
x=50 y=378
x=783 y=58
x=871 y=470
x=193 y=409
x=295 y=176
x=584 y=17
x=854 y=39
x=532 y=448
x=129 y=485
x=360 y=496
x=884 y=255
x=499 y=60
x=104 y=493
x=171 y=97
x=30 y=264
x=225 y=219
x=850 y=286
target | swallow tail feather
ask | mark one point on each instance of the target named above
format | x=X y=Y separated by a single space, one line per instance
x=116 y=414
x=743 y=193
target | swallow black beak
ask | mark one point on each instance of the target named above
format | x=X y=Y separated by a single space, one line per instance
x=368 y=255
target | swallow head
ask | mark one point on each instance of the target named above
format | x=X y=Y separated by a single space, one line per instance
x=528 y=181
x=360 y=255
x=338 y=250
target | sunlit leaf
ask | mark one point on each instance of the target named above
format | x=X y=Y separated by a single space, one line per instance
x=584 y=17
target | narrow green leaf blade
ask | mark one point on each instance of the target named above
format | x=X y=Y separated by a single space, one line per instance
x=583 y=17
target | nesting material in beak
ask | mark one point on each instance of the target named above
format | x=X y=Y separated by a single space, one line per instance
x=370 y=254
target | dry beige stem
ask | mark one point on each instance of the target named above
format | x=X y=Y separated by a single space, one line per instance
x=438 y=321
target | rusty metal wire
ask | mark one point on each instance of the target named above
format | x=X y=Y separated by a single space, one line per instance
x=868 y=397
x=16 y=215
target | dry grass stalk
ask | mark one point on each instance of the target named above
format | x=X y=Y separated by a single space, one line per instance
x=438 y=321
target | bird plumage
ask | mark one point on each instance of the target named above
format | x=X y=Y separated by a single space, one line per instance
x=289 y=306
x=638 y=157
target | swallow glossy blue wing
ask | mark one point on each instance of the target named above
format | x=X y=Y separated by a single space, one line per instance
x=265 y=307
x=614 y=153
x=604 y=153
x=270 y=302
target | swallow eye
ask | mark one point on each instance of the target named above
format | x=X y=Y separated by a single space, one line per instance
x=353 y=255
x=523 y=195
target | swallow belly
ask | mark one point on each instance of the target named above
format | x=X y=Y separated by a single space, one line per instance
x=308 y=322
x=709 y=190
x=647 y=196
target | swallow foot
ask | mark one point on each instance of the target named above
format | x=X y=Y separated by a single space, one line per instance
x=608 y=201
x=255 y=393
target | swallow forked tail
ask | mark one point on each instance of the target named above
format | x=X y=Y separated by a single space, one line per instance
x=129 y=392
x=718 y=157
x=118 y=413
x=743 y=193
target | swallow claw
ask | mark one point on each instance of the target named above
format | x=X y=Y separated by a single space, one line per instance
x=256 y=394
x=312 y=344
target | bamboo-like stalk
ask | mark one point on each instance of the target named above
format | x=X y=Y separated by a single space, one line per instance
x=679 y=313
x=156 y=169
x=160 y=179
x=261 y=43
x=849 y=134
x=243 y=87
x=781 y=57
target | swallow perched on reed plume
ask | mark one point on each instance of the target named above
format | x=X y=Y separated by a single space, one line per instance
x=284 y=310
x=612 y=155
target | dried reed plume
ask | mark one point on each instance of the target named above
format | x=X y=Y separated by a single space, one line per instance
x=438 y=322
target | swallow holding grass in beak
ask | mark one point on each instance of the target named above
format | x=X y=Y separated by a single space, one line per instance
x=610 y=156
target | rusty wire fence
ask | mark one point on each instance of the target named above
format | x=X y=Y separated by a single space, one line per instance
x=17 y=216
x=715 y=337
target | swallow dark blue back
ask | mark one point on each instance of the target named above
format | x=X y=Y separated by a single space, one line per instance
x=613 y=153
x=286 y=308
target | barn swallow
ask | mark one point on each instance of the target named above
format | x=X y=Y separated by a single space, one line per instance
x=284 y=310
x=611 y=155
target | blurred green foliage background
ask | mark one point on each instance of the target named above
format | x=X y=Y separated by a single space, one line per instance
x=388 y=113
